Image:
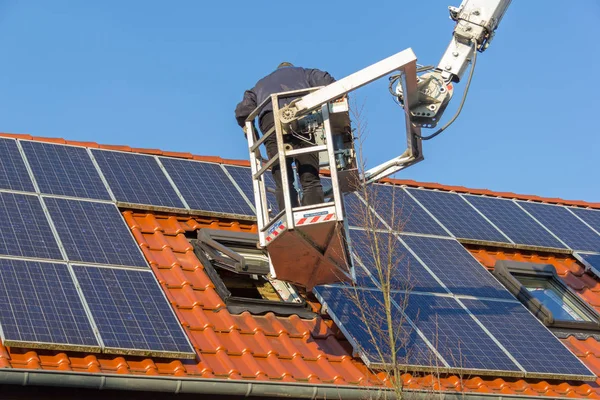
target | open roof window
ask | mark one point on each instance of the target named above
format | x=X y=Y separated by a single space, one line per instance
x=240 y=273
x=540 y=289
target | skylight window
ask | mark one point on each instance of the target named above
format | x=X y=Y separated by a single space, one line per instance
x=541 y=290
x=554 y=298
x=241 y=274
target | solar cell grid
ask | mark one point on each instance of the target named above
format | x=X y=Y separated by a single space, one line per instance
x=94 y=232
x=565 y=225
x=458 y=338
x=382 y=253
x=131 y=312
x=242 y=176
x=456 y=267
x=136 y=178
x=591 y=217
x=40 y=306
x=24 y=228
x=514 y=222
x=205 y=186
x=457 y=215
x=13 y=173
x=64 y=170
x=400 y=211
x=359 y=214
x=355 y=311
x=527 y=340
x=591 y=260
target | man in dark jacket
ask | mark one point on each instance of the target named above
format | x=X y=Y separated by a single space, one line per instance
x=285 y=78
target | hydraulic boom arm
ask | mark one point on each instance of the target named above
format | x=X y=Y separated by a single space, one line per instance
x=424 y=98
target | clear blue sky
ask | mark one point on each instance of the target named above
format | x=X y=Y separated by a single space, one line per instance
x=168 y=75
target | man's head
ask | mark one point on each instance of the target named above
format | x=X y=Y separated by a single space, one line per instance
x=285 y=64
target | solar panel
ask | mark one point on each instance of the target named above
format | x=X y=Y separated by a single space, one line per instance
x=514 y=222
x=456 y=267
x=527 y=340
x=565 y=225
x=136 y=178
x=359 y=314
x=400 y=211
x=382 y=253
x=205 y=186
x=457 y=215
x=24 y=228
x=94 y=232
x=131 y=312
x=41 y=307
x=590 y=260
x=64 y=170
x=591 y=217
x=455 y=335
x=13 y=173
x=243 y=177
x=359 y=214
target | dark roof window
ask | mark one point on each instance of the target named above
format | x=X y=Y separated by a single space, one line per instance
x=241 y=274
x=541 y=290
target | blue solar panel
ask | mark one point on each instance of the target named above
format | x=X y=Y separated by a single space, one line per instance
x=40 y=305
x=591 y=217
x=355 y=311
x=456 y=267
x=13 y=173
x=243 y=177
x=565 y=225
x=131 y=312
x=24 y=228
x=359 y=214
x=205 y=186
x=136 y=178
x=527 y=340
x=458 y=216
x=94 y=232
x=455 y=335
x=400 y=211
x=64 y=170
x=591 y=260
x=382 y=253
x=514 y=222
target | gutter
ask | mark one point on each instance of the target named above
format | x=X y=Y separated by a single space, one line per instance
x=206 y=386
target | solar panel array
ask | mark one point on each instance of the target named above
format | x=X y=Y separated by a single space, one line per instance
x=63 y=244
x=127 y=177
x=450 y=314
x=40 y=305
x=472 y=218
x=72 y=240
x=564 y=224
x=462 y=220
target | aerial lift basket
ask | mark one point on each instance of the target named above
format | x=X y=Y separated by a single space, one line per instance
x=307 y=245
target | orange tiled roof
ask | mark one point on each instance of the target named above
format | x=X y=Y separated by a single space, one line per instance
x=290 y=350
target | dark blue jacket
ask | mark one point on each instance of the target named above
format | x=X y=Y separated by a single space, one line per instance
x=281 y=80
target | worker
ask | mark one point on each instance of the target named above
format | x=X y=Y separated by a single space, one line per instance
x=285 y=78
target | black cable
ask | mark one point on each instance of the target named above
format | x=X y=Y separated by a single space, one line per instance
x=462 y=102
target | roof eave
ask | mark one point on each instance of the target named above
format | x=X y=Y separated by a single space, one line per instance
x=241 y=388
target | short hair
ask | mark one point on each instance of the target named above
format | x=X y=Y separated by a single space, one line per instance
x=285 y=64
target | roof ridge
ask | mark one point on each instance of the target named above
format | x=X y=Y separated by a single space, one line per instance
x=246 y=163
